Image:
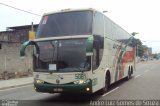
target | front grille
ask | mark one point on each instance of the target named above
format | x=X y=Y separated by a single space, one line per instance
x=61 y=84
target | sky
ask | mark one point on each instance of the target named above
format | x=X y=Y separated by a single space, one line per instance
x=142 y=16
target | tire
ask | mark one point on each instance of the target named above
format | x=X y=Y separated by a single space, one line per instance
x=129 y=75
x=107 y=84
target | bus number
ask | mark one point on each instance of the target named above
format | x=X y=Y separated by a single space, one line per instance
x=80 y=76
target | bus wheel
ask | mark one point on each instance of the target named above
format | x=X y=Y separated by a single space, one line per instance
x=129 y=75
x=106 y=87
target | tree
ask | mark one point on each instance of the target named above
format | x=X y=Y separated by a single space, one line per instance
x=139 y=46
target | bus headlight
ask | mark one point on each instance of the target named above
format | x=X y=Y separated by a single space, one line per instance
x=82 y=81
x=39 y=81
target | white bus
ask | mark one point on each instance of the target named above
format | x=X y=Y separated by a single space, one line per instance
x=80 y=51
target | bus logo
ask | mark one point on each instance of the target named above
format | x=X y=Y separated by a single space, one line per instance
x=57 y=81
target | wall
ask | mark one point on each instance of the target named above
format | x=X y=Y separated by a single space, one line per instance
x=10 y=60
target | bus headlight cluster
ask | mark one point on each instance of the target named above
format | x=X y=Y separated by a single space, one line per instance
x=39 y=81
x=81 y=81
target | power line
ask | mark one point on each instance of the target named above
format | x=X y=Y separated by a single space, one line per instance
x=20 y=9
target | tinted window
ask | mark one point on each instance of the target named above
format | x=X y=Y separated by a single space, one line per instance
x=65 y=24
x=98 y=24
x=115 y=32
x=68 y=55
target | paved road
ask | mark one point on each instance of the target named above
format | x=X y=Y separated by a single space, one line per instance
x=144 y=85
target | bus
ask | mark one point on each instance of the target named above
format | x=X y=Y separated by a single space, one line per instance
x=80 y=51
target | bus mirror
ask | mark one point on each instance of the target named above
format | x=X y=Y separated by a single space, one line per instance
x=26 y=44
x=89 y=48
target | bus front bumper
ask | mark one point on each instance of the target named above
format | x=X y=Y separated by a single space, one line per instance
x=64 y=88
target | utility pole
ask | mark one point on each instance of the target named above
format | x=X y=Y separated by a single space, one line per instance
x=133 y=34
x=30 y=49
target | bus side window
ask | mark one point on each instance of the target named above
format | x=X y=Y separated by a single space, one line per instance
x=0 y=46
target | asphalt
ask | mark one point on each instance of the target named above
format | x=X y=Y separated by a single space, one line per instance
x=4 y=84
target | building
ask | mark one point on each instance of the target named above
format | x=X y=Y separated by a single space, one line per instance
x=10 y=42
x=158 y=56
x=17 y=34
x=148 y=52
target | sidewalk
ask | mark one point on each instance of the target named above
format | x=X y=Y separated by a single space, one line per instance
x=4 y=84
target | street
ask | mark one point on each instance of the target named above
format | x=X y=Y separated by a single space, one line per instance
x=144 y=85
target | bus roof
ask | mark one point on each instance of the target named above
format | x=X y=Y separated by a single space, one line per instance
x=68 y=10
x=83 y=9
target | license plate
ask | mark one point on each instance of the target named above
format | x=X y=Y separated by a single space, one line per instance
x=57 y=89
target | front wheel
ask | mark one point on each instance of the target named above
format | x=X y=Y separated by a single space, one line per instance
x=106 y=87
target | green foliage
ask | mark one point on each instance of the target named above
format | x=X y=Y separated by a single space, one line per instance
x=140 y=47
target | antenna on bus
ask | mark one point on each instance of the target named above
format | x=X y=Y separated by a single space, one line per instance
x=105 y=11
x=134 y=33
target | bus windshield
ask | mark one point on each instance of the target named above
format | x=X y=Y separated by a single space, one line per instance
x=65 y=24
x=65 y=55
